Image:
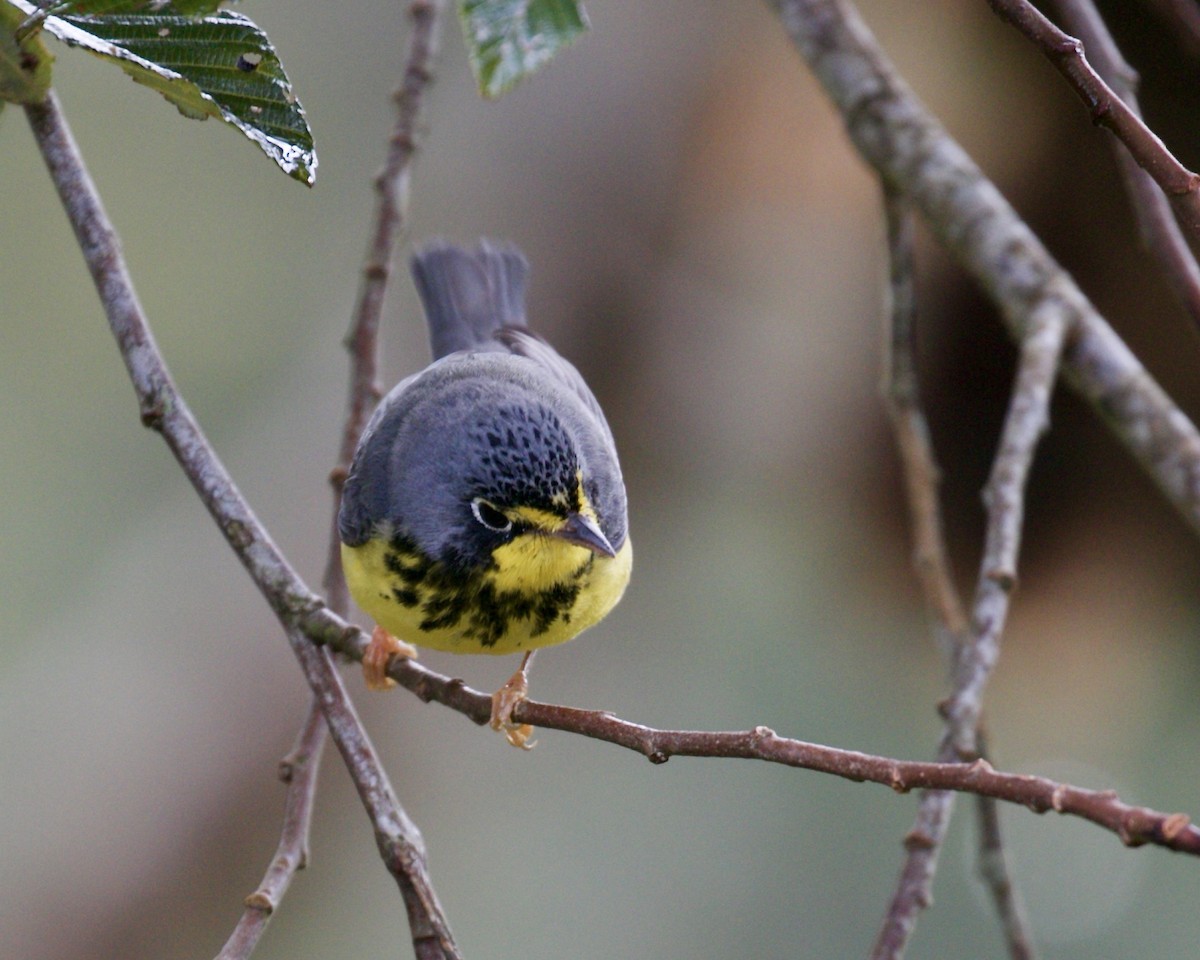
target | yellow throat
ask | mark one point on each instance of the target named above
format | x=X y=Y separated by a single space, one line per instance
x=538 y=591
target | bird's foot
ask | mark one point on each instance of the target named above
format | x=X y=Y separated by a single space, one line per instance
x=504 y=702
x=378 y=655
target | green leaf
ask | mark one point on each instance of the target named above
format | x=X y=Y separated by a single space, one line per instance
x=220 y=65
x=92 y=8
x=509 y=39
x=24 y=66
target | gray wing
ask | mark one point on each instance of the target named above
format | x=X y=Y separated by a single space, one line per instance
x=469 y=294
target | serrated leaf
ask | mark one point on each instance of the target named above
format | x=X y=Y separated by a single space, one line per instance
x=509 y=39
x=24 y=66
x=93 y=8
x=220 y=65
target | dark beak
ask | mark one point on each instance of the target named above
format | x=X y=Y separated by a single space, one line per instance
x=584 y=532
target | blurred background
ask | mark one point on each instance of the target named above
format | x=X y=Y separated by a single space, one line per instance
x=708 y=249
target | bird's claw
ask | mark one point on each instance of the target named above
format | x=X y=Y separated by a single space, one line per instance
x=504 y=702
x=378 y=655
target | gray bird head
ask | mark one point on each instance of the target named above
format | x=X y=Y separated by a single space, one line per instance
x=476 y=451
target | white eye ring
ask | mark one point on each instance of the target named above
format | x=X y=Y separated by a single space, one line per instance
x=489 y=516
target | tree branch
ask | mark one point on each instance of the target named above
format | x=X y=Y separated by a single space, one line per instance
x=993 y=870
x=1157 y=226
x=894 y=134
x=1133 y=825
x=164 y=410
x=914 y=888
x=911 y=429
x=430 y=932
x=1108 y=110
x=1005 y=497
x=397 y=837
x=299 y=771
x=391 y=188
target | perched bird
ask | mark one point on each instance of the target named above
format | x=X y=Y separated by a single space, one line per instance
x=484 y=511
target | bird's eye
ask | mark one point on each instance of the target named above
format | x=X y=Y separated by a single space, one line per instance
x=489 y=516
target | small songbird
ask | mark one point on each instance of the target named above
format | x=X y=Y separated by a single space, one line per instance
x=484 y=511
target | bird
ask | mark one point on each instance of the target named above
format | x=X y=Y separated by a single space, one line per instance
x=484 y=510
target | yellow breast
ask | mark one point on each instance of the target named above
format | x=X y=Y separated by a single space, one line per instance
x=539 y=591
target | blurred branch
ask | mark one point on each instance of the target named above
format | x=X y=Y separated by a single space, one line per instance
x=299 y=771
x=1157 y=225
x=163 y=409
x=430 y=934
x=391 y=187
x=1024 y=424
x=1108 y=110
x=914 y=154
x=993 y=869
x=914 y=888
x=911 y=429
x=1004 y=497
x=923 y=842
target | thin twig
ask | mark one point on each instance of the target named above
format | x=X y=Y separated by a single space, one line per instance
x=923 y=842
x=914 y=887
x=164 y=410
x=397 y=837
x=902 y=397
x=299 y=771
x=911 y=151
x=1157 y=226
x=1134 y=826
x=430 y=934
x=994 y=871
x=1024 y=424
x=391 y=187
x=1004 y=496
x=1108 y=110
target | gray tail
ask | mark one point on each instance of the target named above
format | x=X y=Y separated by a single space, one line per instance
x=469 y=294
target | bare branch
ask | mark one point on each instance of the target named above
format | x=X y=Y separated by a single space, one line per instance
x=1027 y=419
x=1157 y=225
x=391 y=187
x=299 y=771
x=896 y=136
x=1108 y=110
x=163 y=409
x=914 y=888
x=403 y=858
x=993 y=868
x=901 y=395
x=400 y=843
x=1133 y=825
